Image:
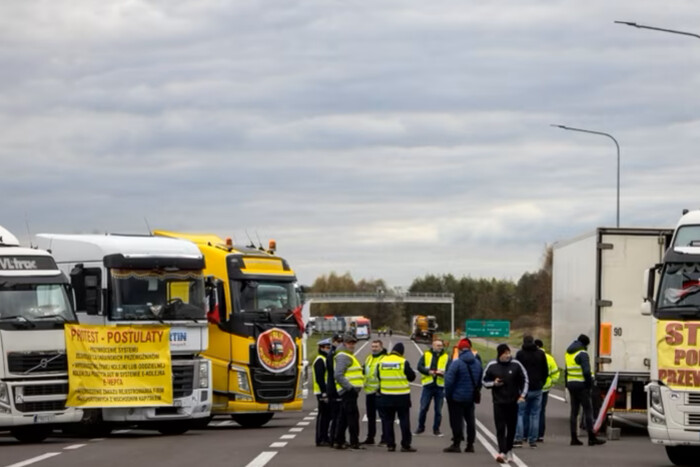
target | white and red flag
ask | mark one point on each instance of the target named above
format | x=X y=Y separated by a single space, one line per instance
x=608 y=403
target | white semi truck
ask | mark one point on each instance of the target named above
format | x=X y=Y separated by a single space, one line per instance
x=34 y=306
x=129 y=280
x=596 y=289
x=674 y=391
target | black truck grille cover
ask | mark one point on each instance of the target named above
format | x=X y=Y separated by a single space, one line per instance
x=37 y=362
x=183 y=380
x=274 y=387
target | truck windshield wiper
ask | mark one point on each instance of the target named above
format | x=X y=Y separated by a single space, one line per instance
x=18 y=319
x=59 y=316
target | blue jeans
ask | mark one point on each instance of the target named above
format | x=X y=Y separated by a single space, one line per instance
x=431 y=391
x=529 y=417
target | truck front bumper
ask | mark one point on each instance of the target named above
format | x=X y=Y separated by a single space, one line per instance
x=36 y=402
x=236 y=406
x=197 y=405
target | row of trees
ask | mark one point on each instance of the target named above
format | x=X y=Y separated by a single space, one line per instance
x=526 y=303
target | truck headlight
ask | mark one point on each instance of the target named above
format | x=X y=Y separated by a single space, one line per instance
x=4 y=393
x=243 y=381
x=655 y=400
x=204 y=374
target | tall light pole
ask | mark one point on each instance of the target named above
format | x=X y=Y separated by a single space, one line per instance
x=564 y=127
x=654 y=28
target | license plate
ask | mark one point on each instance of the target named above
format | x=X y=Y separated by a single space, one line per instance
x=177 y=403
x=276 y=407
x=44 y=418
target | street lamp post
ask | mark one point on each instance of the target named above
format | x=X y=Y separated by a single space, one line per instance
x=654 y=28
x=617 y=145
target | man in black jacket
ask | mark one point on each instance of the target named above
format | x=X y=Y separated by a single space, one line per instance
x=320 y=390
x=507 y=379
x=333 y=397
x=535 y=363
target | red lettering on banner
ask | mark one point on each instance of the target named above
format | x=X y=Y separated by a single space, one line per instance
x=678 y=355
x=671 y=376
x=663 y=374
x=692 y=332
x=691 y=357
x=674 y=336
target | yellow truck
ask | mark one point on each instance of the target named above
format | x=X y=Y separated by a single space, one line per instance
x=255 y=330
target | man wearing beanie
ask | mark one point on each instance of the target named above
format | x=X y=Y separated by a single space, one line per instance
x=507 y=379
x=462 y=382
x=579 y=381
x=394 y=374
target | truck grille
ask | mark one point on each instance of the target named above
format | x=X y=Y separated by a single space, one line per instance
x=37 y=362
x=273 y=388
x=45 y=389
x=183 y=380
x=42 y=406
x=692 y=419
x=693 y=398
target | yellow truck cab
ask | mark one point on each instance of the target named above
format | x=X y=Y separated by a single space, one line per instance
x=255 y=331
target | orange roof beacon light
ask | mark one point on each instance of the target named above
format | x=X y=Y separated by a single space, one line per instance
x=229 y=242
x=272 y=246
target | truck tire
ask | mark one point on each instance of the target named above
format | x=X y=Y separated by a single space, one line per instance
x=683 y=455
x=175 y=428
x=31 y=433
x=252 y=420
x=91 y=426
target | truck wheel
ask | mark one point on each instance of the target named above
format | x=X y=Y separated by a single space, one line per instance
x=683 y=455
x=174 y=428
x=31 y=434
x=201 y=423
x=91 y=426
x=252 y=420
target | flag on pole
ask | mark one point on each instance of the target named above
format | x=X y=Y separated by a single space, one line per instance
x=608 y=403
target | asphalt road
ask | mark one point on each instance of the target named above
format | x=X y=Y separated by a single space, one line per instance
x=288 y=441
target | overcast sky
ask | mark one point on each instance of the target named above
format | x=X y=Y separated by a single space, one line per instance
x=389 y=139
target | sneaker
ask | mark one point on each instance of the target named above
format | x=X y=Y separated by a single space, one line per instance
x=576 y=442
x=419 y=431
x=382 y=444
x=368 y=441
x=408 y=449
x=323 y=444
x=391 y=448
x=500 y=458
x=533 y=445
x=509 y=456
x=438 y=433
x=595 y=441
x=452 y=448
x=357 y=447
x=469 y=448
x=540 y=440
x=517 y=444
x=340 y=446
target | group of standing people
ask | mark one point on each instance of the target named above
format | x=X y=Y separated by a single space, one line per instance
x=520 y=389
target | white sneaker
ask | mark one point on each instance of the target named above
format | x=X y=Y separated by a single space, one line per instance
x=500 y=458
x=509 y=456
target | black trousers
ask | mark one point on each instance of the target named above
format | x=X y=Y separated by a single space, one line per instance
x=461 y=412
x=390 y=414
x=581 y=397
x=506 y=418
x=333 y=416
x=349 y=419
x=372 y=410
x=323 y=421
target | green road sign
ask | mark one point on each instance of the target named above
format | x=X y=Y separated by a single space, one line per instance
x=487 y=328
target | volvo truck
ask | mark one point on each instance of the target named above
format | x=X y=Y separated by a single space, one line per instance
x=34 y=307
x=256 y=334
x=596 y=290
x=127 y=280
x=674 y=309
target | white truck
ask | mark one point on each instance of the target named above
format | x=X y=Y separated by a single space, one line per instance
x=128 y=280
x=596 y=289
x=34 y=306
x=674 y=391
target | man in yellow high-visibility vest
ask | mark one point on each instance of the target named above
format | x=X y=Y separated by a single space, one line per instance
x=371 y=388
x=394 y=374
x=432 y=366
x=348 y=382
x=552 y=378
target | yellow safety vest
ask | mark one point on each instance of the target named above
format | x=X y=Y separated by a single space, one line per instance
x=317 y=388
x=353 y=373
x=441 y=365
x=553 y=373
x=371 y=381
x=574 y=372
x=392 y=380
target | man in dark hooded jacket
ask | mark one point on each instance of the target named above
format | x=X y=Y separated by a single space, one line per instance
x=462 y=381
x=535 y=362
x=579 y=381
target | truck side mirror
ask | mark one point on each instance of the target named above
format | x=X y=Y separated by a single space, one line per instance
x=87 y=286
x=649 y=287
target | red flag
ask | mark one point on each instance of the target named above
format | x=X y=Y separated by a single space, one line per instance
x=297 y=317
x=608 y=403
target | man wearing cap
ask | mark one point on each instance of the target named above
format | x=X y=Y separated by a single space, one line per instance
x=462 y=381
x=432 y=366
x=507 y=379
x=371 y=387
x=579 y=381
x=348 y=382
x=394 y=374
x=333 y=398
x=320 y=377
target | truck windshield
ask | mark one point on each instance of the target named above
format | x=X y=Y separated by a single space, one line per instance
x=138 y=294
x=253 y=295
x=34 y=305
x=686 y=234
x=679 y=291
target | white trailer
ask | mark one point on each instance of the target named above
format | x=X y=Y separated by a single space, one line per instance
x=596 y=290
x=34 y=306
x=127 y=280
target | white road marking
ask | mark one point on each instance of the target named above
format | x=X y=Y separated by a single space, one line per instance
x=288 y=436
x=296 y=430
x=310 y=419
x=361 y=347
x=486 y=431
x=559 y=398
x=420 y=351
x=303 y=423
x=487 y=445
x=121 y=432
x=278 y=444
x=224 y=423
x=262 y=459
x=95 y=440
x=74 y=446
x=40 y=458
